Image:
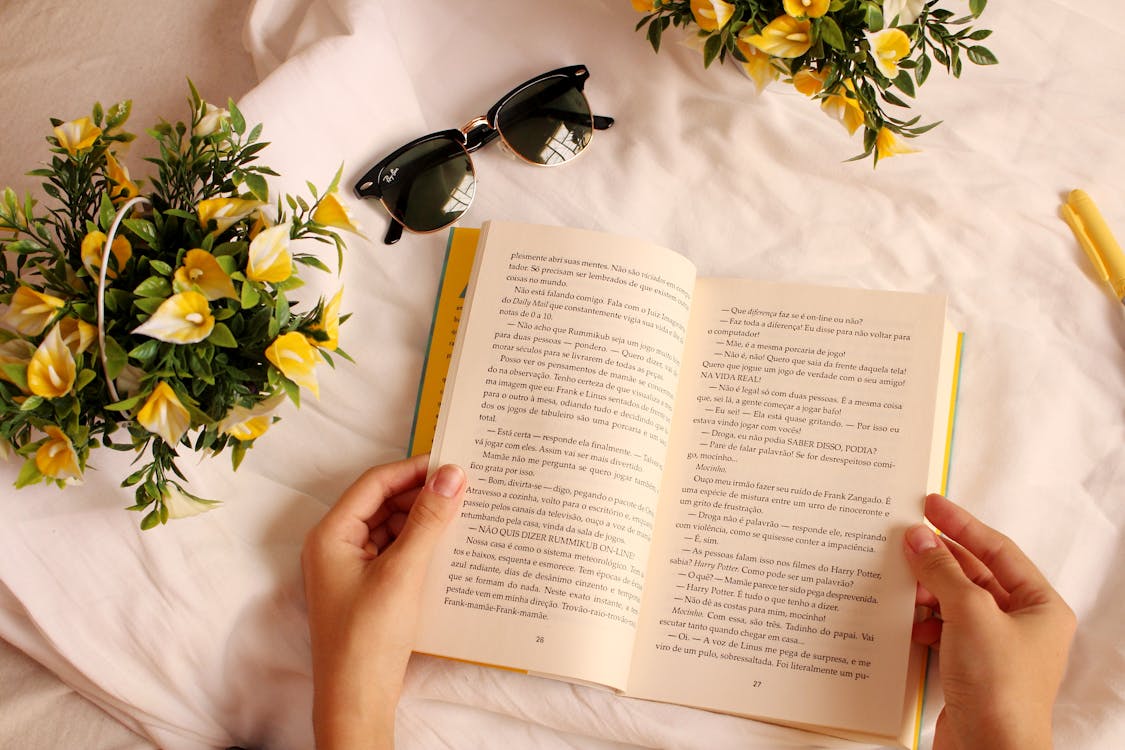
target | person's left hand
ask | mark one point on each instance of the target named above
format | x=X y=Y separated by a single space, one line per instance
x=364 y=565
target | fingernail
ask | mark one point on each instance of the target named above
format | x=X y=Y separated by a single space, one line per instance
x=920 y=538
x=447 y=480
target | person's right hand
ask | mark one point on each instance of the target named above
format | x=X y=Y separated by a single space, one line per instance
x=1002 y=632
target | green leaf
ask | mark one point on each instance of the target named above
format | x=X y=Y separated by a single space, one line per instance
x=22 y=247
x=312 y=260
x=148 y=304
x=143 y=229
x=982 y=55
x=154 y=286
x=135 y=477
x=281 y=310
x=106 y=212
x=831 y=34
x=118 y=114
x=922 y=72
x=17 y=374
x=29 y=474
x=653 y=35
x=873 y=16
x=160 y=267
x=126 y=404
x=146 y=351
x=83 y=379
x=256 y=184
x=976 y=7
x=292 y=390
x=151 y=520
x=980 y=34
x=115 y=357
x=237 y=121
x=711 y=49
x=249 y=297
x=221 y=336
x=237 y=453
x=32 y=403
x=904 y=83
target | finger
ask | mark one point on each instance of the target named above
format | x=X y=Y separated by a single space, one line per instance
x=978 y=573
x=927 y=632
x=1006 y=561
x=433 y=509
x=923 y=598
x=938 y=571
x=367 y=494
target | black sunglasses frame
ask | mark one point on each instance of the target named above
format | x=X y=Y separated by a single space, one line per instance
x=477 y=133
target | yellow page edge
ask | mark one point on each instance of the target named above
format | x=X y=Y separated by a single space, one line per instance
x=954 y=397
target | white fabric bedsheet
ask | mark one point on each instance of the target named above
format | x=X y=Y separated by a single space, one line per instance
x=193 y=634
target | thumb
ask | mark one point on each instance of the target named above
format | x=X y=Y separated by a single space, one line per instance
x=937 y=569
x=436 y=505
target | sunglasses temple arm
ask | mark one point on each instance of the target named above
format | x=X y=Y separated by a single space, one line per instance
x=602 y=122
x=394 y=233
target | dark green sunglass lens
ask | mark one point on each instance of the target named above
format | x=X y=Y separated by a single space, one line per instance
x=429 y=186
x=548 y=122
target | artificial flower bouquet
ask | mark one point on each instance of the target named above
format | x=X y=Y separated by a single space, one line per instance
x=156 y=321
x=855 y=57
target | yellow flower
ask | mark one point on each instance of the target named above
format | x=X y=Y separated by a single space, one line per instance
x=77 y=334
x=784 y=36
x=122 y=188
x=711 y=14
x=225 y=212
x=808 y=81
x=886 y=145
x=51 y=372
x=30 y=311
x=203 y=273
x=93 y=246
x=181 y=504
x=330 y=323
x=887 y=48
x=15 y=352
x=759 y=66
x=163 y=414
x=806 y=8
x=211 y=120
x=644 y=6
x=269 y=258
x=843 y=106
x=56 y=457
x=183 y=318
x=248 y=424
x=332 y=212
x=295 y=357
x=77 y=135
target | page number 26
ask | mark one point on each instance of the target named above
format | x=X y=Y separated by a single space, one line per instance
x=539 y=639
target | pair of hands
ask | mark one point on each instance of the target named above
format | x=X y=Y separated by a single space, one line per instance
x=1001 y=630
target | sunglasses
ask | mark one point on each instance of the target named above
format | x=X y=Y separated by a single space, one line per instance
x=429 y=183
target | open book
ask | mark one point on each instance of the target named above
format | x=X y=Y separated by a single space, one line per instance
x=689 y=490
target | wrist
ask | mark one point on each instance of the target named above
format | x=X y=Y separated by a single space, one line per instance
x=343 y=721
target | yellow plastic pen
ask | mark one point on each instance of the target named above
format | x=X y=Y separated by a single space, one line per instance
x=1094 y=236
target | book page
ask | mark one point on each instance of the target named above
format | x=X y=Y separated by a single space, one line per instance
x=800 y=454
x=559 y=402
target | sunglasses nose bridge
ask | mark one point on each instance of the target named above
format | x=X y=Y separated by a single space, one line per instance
x=478 y=132
x=477 y=122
